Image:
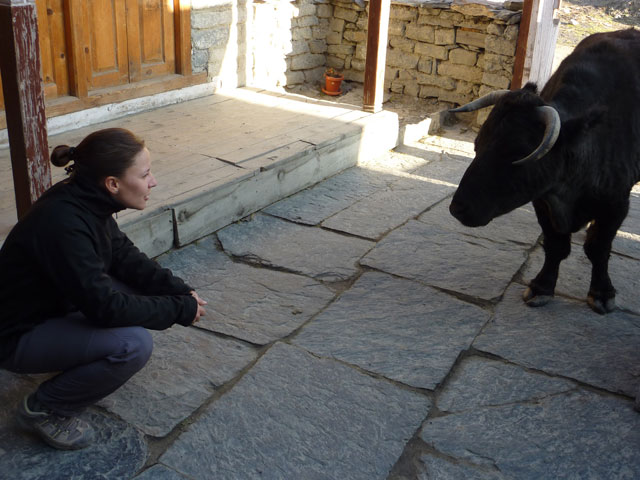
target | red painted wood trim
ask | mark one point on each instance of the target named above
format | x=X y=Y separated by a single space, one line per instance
x=521 y=49
x=24 y=101
x=377 y=35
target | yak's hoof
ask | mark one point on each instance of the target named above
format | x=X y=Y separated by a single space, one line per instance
x=600 y=305
x=533 y=300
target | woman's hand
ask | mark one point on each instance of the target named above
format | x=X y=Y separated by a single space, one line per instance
x=201 y=312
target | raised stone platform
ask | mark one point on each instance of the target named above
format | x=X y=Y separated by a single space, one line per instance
x=222 y=157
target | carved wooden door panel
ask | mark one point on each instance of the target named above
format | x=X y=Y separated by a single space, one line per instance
x=102 y=26
x=53 y=48
x=150 y=35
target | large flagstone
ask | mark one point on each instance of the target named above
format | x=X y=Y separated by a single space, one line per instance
x=118 y=452
x=386 y=209
x=575 y=276
x=566 y=338
x=185 y=369
x=473 y=266
x=313 y=205
x=296 y=416
x=447 y=169
x=413 y=192
x=395 y=328
x=578 y=434
x=160 y=472
x=254 y=304
x=310 y=251
x=479 y=382
x=437 y=468
x=519 y=226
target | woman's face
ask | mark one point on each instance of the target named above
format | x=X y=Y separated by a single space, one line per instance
x=135 y=185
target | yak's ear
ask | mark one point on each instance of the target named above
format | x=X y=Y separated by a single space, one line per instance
x=576 y=126
x=531 y=87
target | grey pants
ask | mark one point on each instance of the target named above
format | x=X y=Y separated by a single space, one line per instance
x=93 y=362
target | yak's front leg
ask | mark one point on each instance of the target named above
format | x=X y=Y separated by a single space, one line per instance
x=557 y=247
x=600 y=235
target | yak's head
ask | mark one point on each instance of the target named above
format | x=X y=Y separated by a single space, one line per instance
x=507 y=171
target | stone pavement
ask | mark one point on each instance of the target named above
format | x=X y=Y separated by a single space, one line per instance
x=356 y=331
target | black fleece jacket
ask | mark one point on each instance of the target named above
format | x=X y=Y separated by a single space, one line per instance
x=61 y=257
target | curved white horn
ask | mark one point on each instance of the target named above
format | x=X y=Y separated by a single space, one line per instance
x=484 y=101
x=551 y=119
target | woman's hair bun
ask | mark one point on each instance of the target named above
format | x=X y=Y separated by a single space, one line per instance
x=61 y=155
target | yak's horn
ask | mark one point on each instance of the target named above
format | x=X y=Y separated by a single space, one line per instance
x=484 y=101
x=551 y=120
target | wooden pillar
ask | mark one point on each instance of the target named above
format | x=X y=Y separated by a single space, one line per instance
x=377 y=37
x=24 y=101
x=521 y=49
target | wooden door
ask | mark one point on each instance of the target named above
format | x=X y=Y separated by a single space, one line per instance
x=127 y=41
x=89 y=45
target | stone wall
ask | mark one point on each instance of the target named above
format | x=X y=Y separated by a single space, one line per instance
x=219 y=40
x=453 y=50
x=271 y=43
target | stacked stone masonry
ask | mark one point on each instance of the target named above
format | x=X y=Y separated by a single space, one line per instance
x=453 y=50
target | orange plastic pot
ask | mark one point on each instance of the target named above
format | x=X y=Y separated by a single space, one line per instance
x=332 y=85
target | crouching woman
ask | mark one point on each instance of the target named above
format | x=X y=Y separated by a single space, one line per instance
x=76 y=296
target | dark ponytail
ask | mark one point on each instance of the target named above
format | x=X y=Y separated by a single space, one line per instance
x=101 y=154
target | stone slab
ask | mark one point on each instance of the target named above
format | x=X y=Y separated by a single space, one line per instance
x=118 y=452
x=403 y=158
x=449 y=168
x=579 y=434
x=566 y=338
x=519 y=226
x=472 y=266
x=254 y=304
x=296 y=416
x=185 y=369
x=437 y=468
x=575 y=276
x=313 y=205
x=310 y=251
x=395 y=328
x=385 y=210
x=160 y=472
x=480 y=382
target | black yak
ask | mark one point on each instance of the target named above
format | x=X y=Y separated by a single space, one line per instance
x=573 y=150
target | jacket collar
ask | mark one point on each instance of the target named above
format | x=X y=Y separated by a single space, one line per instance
x=95 y=198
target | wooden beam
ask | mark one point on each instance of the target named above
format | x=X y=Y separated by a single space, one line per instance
x=377 y=37
x=521 y=49
x=182 y=19
x=74 y=11
x=24 y=101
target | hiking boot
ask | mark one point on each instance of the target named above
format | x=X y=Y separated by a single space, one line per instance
x=64 y=433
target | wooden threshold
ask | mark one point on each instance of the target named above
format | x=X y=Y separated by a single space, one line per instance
x=120 y=93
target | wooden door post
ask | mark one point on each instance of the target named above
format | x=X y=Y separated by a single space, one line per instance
x=377 y=37
x=24 y=101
